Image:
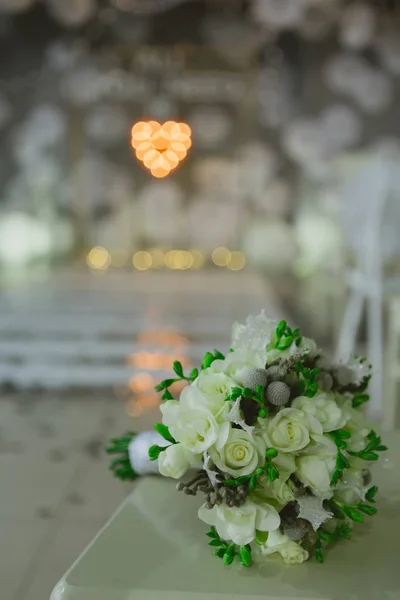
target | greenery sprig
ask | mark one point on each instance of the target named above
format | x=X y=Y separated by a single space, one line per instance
x=339 y=436
x=370 y=452
x=121 y=466
x=209 y=358
x=308 y=379
x=257 y=395
x=343 y=531
x=155 y=450
x=359 y=399
x=166 y=383
x=228 y=552
x=285 y=336
x=355 y=512
x=269 y=470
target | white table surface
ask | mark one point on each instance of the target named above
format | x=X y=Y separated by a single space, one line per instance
x=155 y=547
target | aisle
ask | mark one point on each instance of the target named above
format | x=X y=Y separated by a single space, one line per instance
x=81 y=354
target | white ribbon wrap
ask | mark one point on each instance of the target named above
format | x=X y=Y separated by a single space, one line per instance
x=138 y=452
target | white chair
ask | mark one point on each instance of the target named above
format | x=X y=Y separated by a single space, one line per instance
x=371 y=218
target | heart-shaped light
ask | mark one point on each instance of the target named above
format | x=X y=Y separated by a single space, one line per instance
x=161 y=147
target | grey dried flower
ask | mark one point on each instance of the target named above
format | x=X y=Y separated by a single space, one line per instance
x=255 y=377
x=274 y=373
x=278 y=393
x=295 y=529
x=216 y=493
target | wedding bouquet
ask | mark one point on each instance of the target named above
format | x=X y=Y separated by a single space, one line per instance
x=276 y=436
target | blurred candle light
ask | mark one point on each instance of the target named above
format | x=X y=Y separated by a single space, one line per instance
x=237 y=261
x=98 y=258
x=198 y=258
x=221 y=256
x=157 y=258
x=142 y=260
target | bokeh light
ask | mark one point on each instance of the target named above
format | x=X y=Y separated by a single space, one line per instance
x=157 y=258
x=237 y=261
x=98 y=258
x=142 y=260
x=221 y=256
x=161 y=147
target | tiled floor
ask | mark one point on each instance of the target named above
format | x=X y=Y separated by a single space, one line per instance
x=56 y=490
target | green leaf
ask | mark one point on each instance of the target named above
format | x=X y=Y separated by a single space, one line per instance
x=220 y=552
x=368 y=510
x=238 y=480
x=167 y=395
x=259 y=471
x=370 y=495
x=215 y=543
x=261 y=537
x=318 y=552
x=344 y=531
x=359 y=399
x=218 y=355
x=164 y=432
x=280 y=329
x=353 y=513
x=382 y=448
x=263 y=413
x=155 y=451
x=194 y=373
x=342 y=462
x=163 y=385
x=207 y=360
x=212 y=533
x=367 y=455
x=285 y=342
x=245 y=555
x=177 y=366
x=340 y=443
x=325 y=536
x=229 y=554
x=272 y=472
x=271 y=453
x=336 y=476
x=342 y=434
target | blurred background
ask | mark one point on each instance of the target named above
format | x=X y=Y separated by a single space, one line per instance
x=278 y=189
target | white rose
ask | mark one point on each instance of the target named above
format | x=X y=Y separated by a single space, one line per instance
x=195 y=428
x=324 y=408
x=238 y=456
x=215 y=387
x=174 y=461
x=317 y=464
x=290 y=551
x=351 y=490
x=289 y=430
x=239 y=524
x=278 y=492
x=236 y=365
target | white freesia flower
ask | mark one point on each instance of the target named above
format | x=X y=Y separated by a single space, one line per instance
x=236 y=365
x=215 y=387
x=195 y=428
x=239 y=524
x=239 y=455
x=289 y=430
x=324 y=408
x=290 y=551
x=255 y=335
x=316 y=465
x=174 y=461
x=351 y=489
